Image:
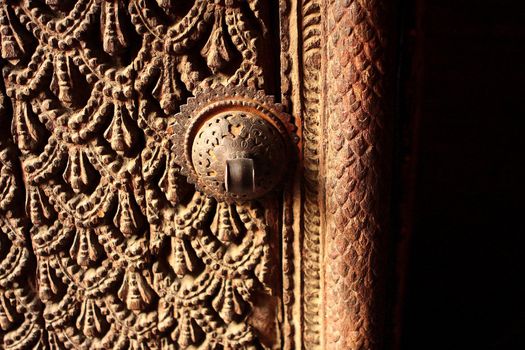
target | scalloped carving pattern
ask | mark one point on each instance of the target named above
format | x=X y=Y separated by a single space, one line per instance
x=113 y=248
x=356 y=172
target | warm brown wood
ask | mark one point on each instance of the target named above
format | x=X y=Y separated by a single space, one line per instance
x=116 y=248
x=115 y=230
x=358 y=116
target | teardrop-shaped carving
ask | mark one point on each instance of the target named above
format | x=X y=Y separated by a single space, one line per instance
x=172 y=183
x=29 y=133
x=166 y=319
x=187 y=331
x=12 y=44
x=128 y=218
x=62 y=83
x=135 y=291
x=227 y=302
x=8 y=180
x=183 y=259
x=80 y=173
x=114 y=40
x=38 y=206
x=168 y=91
x=122 y=133
x=225 y=225
x=90 y=320
x=217 y=50
x=49 y=284
x=85 y=247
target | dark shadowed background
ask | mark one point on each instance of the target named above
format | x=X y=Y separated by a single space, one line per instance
x=463 y=108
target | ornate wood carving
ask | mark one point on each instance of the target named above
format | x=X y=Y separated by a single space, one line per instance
x=358 y=116
x=113 y=236
x=112 y=247
x=312 y=152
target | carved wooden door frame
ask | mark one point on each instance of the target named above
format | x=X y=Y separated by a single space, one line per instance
x=99 y=115
x=344 y=96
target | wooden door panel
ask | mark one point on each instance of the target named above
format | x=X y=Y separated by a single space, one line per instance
x=192 y=174
x=115 y=249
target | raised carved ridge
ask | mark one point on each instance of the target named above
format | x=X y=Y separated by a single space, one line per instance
x=289 y=235
x=311 y=111
x=127 y=254
x=357 y=115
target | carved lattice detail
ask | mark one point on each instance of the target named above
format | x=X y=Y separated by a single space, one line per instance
x=113 y=248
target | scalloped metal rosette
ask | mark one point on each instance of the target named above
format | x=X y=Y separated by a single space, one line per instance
x=228 y=123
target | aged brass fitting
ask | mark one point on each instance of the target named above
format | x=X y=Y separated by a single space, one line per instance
x=234 y=144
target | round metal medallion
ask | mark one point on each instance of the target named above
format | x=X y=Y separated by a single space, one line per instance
x=233 y=143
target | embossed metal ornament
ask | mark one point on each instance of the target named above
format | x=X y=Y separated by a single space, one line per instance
x=233 y=143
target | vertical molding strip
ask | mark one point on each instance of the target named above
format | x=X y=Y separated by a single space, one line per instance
x=290 y=66
x=356 y=170
x=311 y=98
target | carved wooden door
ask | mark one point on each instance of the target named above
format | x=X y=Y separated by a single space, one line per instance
x=191 y=174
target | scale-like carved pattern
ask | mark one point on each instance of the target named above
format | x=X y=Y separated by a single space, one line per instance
x=355 y=112
x=127 y=255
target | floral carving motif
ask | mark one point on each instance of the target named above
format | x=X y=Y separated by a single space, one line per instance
x=103 y=242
